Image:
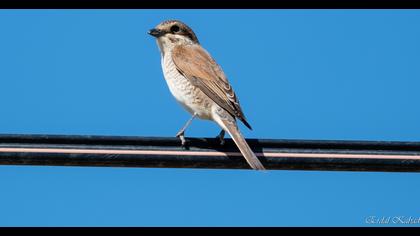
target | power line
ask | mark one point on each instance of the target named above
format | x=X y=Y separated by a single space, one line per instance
x=163 y=152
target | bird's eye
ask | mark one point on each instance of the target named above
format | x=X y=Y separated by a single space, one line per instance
x=175 y=29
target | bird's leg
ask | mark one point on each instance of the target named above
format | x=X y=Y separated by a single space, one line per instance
x=180 y=134
x=221 y=137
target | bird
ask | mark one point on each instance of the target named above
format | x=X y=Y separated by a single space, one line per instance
x=199 y=84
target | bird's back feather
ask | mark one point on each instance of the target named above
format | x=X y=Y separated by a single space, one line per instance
x=196 y=64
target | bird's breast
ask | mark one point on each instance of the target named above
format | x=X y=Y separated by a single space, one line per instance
x=188 y=95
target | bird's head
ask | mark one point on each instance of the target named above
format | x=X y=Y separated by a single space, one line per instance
x=173 y=32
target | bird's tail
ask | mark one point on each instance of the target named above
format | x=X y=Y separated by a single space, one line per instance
x=230 y=126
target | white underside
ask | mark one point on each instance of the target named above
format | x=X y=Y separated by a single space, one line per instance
x=190 y=97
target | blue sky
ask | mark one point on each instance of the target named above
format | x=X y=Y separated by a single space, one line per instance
x=299 y=74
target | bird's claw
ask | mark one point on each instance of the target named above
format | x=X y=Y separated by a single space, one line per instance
x=221 y=138
x=181 y=136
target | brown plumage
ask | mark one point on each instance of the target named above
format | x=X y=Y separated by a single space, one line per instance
x=201 y=69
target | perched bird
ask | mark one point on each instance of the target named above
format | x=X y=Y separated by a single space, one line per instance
x=198 y=83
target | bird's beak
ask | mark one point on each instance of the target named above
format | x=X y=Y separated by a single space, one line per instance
x=155 y=33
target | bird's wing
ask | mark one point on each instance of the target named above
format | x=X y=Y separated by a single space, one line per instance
x=201 y=69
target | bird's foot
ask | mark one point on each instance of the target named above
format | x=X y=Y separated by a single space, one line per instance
x=181 y=136
x=221 y=137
